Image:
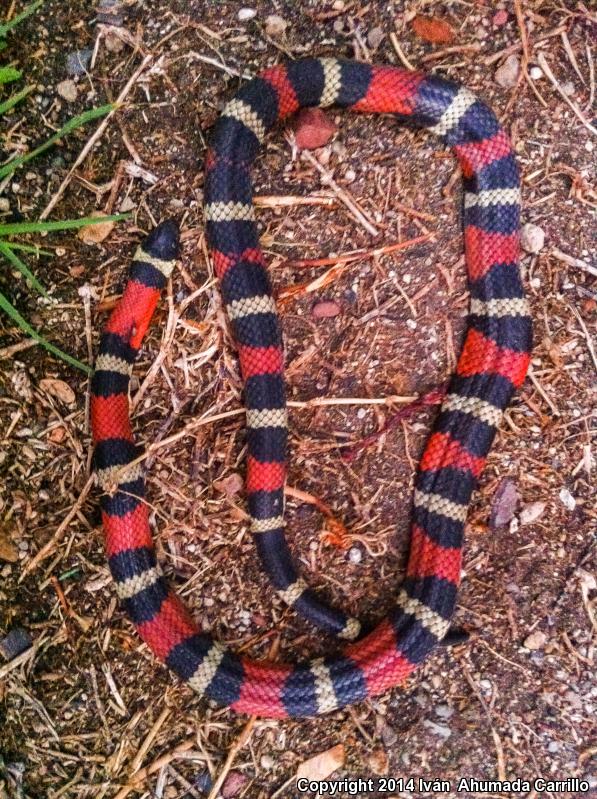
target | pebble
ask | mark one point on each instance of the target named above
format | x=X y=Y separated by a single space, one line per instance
x=507 y=74
x=275 y=25
x=267 y=762
x=313 y=128
x=531 y=512
x=350 y=175
x=375 y=37
x=504 y=504
x=536 y=640
x=67 y=90
x=567 y=499
x=326 y=309
x=444 y=711
x=234 y=784
x=245 y=14
x=536 y=73
x=78 y=61
x=438 y=729
x=16 y=642
x=500 y=17
x=532 y=238
x=355 y=555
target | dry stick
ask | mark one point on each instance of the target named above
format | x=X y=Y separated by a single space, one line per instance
x=287 y=201
x=357 y=255
x=341 y=194
x=149 y=739
x=587 y=335
x=48 y=548
x=158 y=764
x=433 y=397
x=95 y=137
x=514 y=48
x=501 y=761
x=570 y=260
x=234 y=750
x=400 y=52
x=542 y=61
x=8 y=352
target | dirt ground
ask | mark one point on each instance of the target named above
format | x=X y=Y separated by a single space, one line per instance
x=86 y=711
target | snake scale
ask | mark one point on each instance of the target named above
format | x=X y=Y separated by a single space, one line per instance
x=492 y=364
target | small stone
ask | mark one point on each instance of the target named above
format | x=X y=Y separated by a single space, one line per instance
x=389 y=736
x=532 y=238
x=77 y=62
x=500 y=17
x=275 y=25
x=67 y=90
x=313 y=128
x=114 y=43
x=350 y=175
x=507 y=74
x=531 y=512
x=326 y=309
x=438 y=729
x=505 y=502
x=536 y=640
x=267 y=762
x=378 y=762
x=355 y=555
x=234 y=784
x=245 y=14
x=16 y=642
x=444 y=711
x=536 y=73
x=567 y=499
x=375 y=37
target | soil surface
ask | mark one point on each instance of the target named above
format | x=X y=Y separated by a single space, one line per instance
x=87 y=711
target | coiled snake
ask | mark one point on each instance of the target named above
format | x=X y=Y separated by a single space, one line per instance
x=492 y=364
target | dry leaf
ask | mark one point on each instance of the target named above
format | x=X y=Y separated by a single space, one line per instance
x=94 y=234
x=231 y=485
x=433 y=29
x=504 y=504
x=58 y=389
x=321 y=766
x=8 y=549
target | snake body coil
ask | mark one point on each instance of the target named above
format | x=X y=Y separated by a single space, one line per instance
x=492 y=364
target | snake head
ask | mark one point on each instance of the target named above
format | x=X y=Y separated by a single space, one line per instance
x=164 y=241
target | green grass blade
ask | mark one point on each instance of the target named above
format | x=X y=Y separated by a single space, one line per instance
x=28 y=248
x=9 y=74
x=15 y=99
x=14 y=259
x=12 y=312
x=71 y=125
x=26 y=12
x=14 y=228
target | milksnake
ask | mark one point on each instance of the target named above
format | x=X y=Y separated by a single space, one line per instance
x=492 y=364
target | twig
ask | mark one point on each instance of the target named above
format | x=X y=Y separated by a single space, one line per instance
x=572 y=261
x=341 y=194
x=542 y=61
x=148 y=741
x=308 y=263
x=158 y=764
x=587 y=336
x=8 y=352
x=457 y=48
x=235 y=73
x=285 y=201
x=501 y=761
x=541 y=391
x=400 y=52
x=48 y=548
x=95 y=137
x=234 y=750
x=514 y=48
x=433 y=397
